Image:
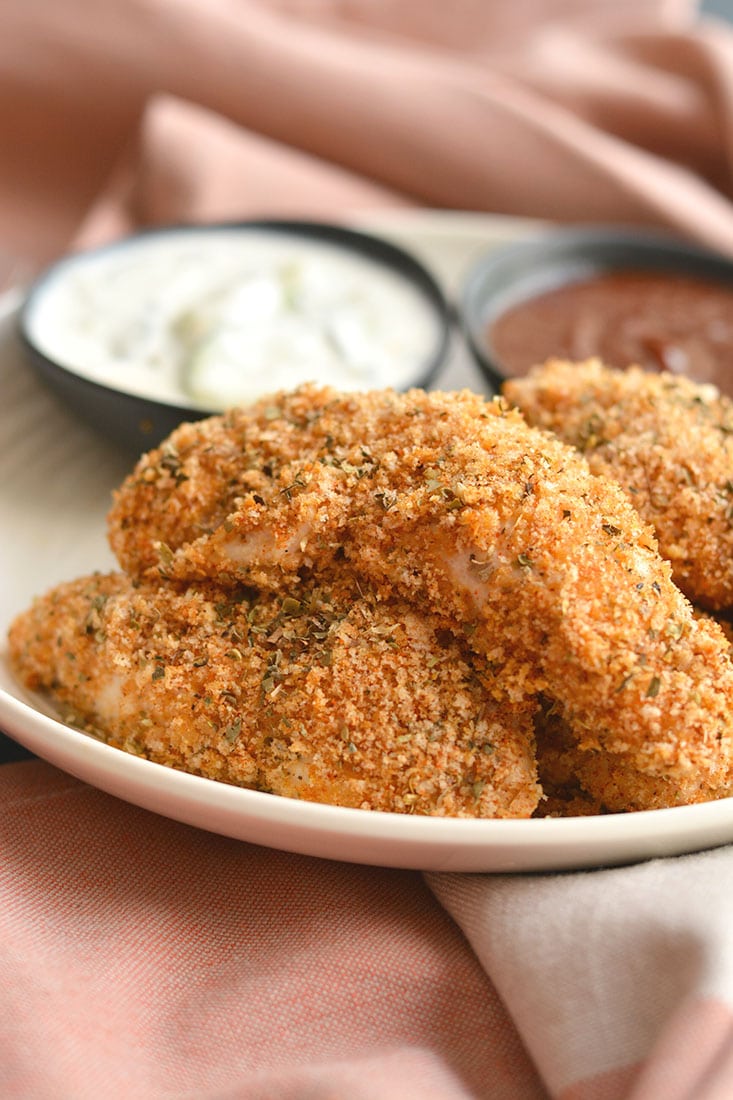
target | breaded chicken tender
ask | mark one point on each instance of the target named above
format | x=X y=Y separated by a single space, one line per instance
x=582 y=782
x=666 y=440
x=457 y=505
x=325 y=695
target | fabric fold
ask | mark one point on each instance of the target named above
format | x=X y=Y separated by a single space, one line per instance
x=596 y=112
x=614 y=977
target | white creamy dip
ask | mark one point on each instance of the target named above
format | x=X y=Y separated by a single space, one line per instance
x=212 y=318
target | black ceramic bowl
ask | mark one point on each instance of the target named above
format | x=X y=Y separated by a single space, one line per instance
x=138 y=419
x=522 y=273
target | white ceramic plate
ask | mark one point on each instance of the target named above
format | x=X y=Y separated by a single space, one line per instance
x=56 y=477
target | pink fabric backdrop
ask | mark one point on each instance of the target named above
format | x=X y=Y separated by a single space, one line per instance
x=567 y=109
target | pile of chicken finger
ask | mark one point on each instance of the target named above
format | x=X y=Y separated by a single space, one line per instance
x=430 y=603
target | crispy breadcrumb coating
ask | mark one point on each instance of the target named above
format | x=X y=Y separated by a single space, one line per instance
x=580 y=782
x=455 y=504
x=324 y=694
x=558 y=757
x=666 y=440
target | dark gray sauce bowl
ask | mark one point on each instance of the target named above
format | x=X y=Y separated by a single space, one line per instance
x=138 y=423
x=519 y=272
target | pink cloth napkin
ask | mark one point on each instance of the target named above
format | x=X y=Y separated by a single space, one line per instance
x=140 y=957
x=143 y=958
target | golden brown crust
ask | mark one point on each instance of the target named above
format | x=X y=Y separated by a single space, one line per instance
x=420 y=569
x=666 y=440
x=583 y=782
x=497 y=528
x=324 y=694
